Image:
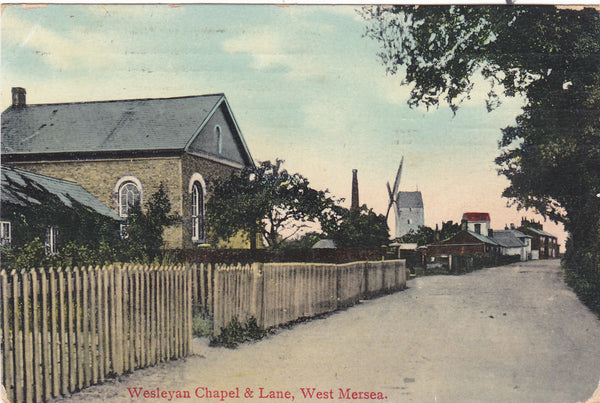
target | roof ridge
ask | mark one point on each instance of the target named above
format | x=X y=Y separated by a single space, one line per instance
x=122 y=100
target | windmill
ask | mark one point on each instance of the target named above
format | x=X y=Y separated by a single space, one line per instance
x=393 y=193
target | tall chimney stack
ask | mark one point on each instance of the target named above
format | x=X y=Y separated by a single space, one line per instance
x=18 y=97
x=354 y=206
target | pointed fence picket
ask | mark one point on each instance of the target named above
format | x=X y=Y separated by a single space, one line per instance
x=65 y=329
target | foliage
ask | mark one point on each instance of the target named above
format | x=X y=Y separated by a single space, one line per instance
x=362 y=229
x=202 y=325
x=144 y=241
x=304 y=242
x=426 y=235
x=86 y=237
x=235 y=333
x=550 y=56
x=36 y=210
x=266 y=200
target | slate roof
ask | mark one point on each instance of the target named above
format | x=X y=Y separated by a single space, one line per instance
x=483 y=238
x=108 y=126
x=325 y=244
x=13 y=179
x=508 y=238
x=540 y=232
x=410 y=200
x=476 y=217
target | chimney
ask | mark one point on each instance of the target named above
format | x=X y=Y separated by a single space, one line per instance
x=512 y=226
x=490 y=233
x=18 y=97
x=464 y=223
x=354 y=206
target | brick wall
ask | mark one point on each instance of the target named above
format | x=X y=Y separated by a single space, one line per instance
x=210 y=170
x=99 y=177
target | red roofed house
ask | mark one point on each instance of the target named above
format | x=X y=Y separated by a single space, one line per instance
x=478 y=223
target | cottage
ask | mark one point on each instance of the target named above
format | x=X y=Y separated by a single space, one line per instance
x=47 y=207
x=121 y=151
x=514 y=242
x=477 y=222
x=543 y=244
x=465 y=243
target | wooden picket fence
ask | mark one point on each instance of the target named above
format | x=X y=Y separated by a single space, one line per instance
x=279 y=293
x=66 y=329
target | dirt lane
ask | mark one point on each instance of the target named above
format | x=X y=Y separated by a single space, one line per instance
x=509 y=334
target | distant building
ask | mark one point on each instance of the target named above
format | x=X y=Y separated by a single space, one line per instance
x=410 y=212
x=478 y=223
x=325 y=244
x=543 y=244
x=465 y=243
x=514 y=242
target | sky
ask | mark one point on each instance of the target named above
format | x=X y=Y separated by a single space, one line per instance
x=304 y=83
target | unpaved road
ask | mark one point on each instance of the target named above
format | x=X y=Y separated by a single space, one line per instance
x=510 y=334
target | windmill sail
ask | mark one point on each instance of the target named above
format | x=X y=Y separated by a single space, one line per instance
x=393 y=193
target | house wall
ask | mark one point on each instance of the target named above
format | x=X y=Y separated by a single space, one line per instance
x=99 y=177
x=210 y=170
x=465 y=249
x=416 y=216
x=485 y=227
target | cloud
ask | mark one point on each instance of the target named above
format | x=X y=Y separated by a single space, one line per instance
x=54 y=49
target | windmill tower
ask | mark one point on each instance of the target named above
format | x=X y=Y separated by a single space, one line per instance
x=408 y=207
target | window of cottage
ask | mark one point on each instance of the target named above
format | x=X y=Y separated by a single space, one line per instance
x=51 y=242
x=5 y=233
x=219 y=136
x=198 y=227
x=478 y=228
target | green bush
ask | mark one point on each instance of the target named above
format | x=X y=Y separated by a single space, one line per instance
x=582 y=273
x=235 y=333
x=202 y=326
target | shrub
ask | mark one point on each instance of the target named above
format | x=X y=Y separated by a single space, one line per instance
x=235 y=333
x=202 y=326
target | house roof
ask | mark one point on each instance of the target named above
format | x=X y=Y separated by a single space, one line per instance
x=15 y=184
x=109 y=126
x=410 y=200
x=483 y=238
x=325 y=244
x=539 y=232
x=476 y=217
x=508 y=238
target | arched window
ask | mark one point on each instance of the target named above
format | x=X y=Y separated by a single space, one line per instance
x=129 y=196
x=197 y=188
x=219 y=137
x=197 y=213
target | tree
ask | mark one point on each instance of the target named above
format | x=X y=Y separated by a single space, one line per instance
x=361 y=229
x=144 y=241
x=267 y=200
x=551 y=56
x=426 y=235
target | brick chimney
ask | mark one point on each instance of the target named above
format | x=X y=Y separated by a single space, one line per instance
x=354 y=206
x=18 y=97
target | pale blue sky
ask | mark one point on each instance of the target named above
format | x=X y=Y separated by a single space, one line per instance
x=303 y=83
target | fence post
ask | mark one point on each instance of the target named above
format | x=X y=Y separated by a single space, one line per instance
x=8 y=338
x=36 y=315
